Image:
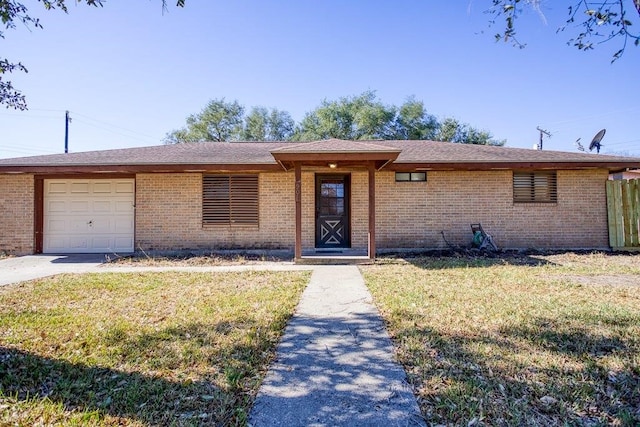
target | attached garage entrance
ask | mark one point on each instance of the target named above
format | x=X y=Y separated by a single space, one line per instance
x=88 y=215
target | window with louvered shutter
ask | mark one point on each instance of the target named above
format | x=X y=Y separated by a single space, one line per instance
x=230 y=199
x=535 y=187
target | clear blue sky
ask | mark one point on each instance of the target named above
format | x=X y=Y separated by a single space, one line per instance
x=129 y=73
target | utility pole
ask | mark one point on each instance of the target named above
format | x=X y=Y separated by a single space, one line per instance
x=542 y=133
x=66 y=131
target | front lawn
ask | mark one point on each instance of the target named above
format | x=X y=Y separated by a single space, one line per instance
x=142 y=348
x=545 y=341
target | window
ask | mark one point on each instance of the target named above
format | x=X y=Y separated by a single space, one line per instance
x=535 y=187
x=332 y=197
x=230 y=199
x=411 y=176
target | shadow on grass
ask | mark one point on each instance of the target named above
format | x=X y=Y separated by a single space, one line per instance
x=460 y=377
x=446 y=259
x=173 y=398
x=572 y=340
x=453 y=260
x=82 y=388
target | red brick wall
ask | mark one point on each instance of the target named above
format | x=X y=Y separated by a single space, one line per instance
x=169 y=215
x=16 y=214
x=412 y=214
x=408 y=215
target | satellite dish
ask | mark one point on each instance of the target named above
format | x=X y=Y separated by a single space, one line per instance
x=595 y=142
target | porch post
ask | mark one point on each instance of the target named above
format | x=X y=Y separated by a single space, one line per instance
x=298 y=190
x=38 y=217
x=372 y=210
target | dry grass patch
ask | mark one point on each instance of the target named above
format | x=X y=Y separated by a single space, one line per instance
x=195 y=259
x=140 y=349
x=517 y=341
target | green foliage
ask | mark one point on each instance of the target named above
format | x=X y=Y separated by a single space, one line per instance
x=597 y=22
x=354 y=118
x=453 y=131
x=413 y=121
x=361 y=117
x=218 y=121
x=263 y=124
x=9 y=96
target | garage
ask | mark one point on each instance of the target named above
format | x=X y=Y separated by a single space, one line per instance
x=88 y=215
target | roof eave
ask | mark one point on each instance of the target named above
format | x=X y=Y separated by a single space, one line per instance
x=487 y=166
x=139 y=168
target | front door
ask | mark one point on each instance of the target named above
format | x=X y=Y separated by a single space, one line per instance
x=332 y=211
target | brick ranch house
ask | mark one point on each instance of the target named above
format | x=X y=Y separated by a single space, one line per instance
x=302 y=197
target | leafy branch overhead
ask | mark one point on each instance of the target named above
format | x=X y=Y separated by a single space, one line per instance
x=361 y=117
x=597 y=22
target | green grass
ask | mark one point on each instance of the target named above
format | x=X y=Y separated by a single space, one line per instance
x=140 y=349
x=546 y=340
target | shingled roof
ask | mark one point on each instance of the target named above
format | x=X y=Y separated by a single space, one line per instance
x=400 y=155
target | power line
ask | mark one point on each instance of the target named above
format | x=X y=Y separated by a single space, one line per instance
x=30 y=116
x=147 y=140
x=46 y=109
x=100 y=124
x=112 y=125
x=624 y=142
x=27 y=150
x=593 y=116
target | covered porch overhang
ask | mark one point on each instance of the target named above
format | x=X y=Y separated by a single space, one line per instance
x=379 y=161
x=370 y=157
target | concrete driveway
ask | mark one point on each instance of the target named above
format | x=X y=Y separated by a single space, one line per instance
x=19 y=269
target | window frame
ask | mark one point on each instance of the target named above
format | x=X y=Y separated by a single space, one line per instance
x=540 y=186
x=412 y=177
x=231 y=200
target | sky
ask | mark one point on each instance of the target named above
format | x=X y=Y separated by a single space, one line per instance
x=130 y=73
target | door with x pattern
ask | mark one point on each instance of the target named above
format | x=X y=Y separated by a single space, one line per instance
x=332 y=211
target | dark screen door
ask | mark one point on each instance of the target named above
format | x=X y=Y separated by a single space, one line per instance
x=332 y=211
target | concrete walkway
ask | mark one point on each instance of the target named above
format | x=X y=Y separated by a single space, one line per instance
x=335 y=363
x=30 y=267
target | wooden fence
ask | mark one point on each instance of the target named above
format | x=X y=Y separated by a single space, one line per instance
x=623 y=206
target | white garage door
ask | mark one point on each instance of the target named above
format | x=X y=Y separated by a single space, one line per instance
x=88 y=215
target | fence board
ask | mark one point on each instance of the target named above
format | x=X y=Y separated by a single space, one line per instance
x=617 y=189
x=635 y=212
x=626 y=210
x=611 y=214
x=623 y=213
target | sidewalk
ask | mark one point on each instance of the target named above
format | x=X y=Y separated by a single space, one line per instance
x=30 y=267
x=335 y=362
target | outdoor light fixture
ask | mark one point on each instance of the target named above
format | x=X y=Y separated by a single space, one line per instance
x=333 y=165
